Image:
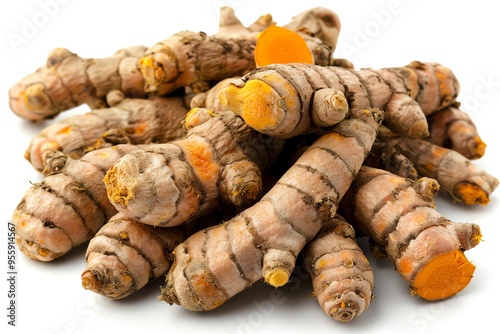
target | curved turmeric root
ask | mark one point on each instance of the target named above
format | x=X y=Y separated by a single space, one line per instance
x=68 y=206
x=134 y=121
x=341 y=274
x=67 y=81
x=263 y=241
x=458 y=176
x=454 y=129
x=425 y=247
x=125 y=255
x=218 y=162
x=291 y=99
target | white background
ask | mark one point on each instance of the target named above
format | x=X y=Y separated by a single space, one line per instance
x=460 y=35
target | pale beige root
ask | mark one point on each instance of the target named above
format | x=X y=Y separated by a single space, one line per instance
x=425 y=247
x=134 y=121
x=263 y=241
x=125 y=255
x=387 y=157
x=290 y=99
x=68 y=206
x=231 y=27
x=218 y=162
x=67 y=81
x=454 y=129
x=320 y=22
x=341 y=275
x=464 y=181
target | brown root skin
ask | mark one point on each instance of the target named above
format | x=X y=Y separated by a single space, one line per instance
x=464 y=181
x=454 y=129
x=135 y=121
x=218 y=162
x=281 y=100
x=125 y=255
x=266 y=237
x=342 y=276
x=196 y=60
x=400 y=218
x=67 y=81
x=75 y=188
x=320 y=22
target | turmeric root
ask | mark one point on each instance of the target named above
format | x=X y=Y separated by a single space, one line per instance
x=264 y=240
x=464 y=181
x=387 y=157
x=219 y=161
x=341 y=274
x=125 y=255
x=67 y=81
x=134 y=121
x=193 y=59
x=196 y=60
x=68 y=206
x=425 y=247
x=291 y=99
x=454 y=129
x=319 y=22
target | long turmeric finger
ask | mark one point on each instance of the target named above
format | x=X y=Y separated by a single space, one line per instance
x=137 y=121
x=68 y=206
x=454 y=129
x=425 y=247
x=341 y=275
x=464 y=181
x=290 y=99
x=196 y=60
x=67 y=81
x=263 y=241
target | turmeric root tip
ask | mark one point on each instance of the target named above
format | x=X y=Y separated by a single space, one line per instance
x=471 y=194
x=443 y=276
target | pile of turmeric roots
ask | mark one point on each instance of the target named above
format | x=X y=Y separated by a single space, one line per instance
x=216 y=161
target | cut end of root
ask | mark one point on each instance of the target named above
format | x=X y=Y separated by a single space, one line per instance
x=443 y=276
x=469 y=193
x=279 y=45
x=90 y=282
x=277 y=277
x=476 y=148
x=117 y=192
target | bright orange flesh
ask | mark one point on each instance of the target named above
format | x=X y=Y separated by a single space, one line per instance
x=443 y=276
x=278 y=45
